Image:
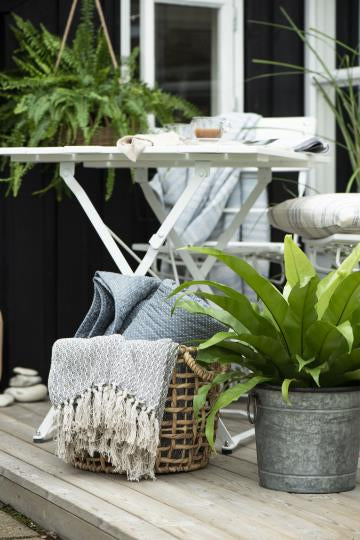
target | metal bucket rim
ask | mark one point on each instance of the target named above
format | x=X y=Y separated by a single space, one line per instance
x=321 y=390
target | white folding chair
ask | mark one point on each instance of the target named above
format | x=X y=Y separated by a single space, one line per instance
x=327 y=253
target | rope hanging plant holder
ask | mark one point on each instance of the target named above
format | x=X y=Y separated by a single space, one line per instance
x=105 y=135
x=183 y=446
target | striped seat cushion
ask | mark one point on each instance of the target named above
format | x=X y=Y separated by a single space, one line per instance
x=318 y=216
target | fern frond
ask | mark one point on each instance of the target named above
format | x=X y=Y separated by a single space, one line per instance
x=84 y=41
x=110 y=183
x=41 y=108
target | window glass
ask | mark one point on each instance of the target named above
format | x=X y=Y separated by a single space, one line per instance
x=184 y=52
x=135 y=23
x=347 y=26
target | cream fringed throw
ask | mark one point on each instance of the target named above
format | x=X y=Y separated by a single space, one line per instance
x=110 y=395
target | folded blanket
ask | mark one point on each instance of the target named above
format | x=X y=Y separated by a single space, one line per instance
x=138 y=307
x=134 y=145
x=110 y=395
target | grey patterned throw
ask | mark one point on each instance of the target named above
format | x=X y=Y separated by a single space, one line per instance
x=111 y=399
x=110 y=389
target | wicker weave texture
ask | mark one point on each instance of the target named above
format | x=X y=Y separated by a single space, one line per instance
x=183 y=445
x=104 y=136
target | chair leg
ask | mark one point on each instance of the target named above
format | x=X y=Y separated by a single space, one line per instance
x=45 y=431
x=229 y=443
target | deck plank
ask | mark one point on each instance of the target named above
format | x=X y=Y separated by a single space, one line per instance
x=103 y=516
x=167 y=496
x=45 y=513
x=110 y=488
x=223 y=501
x=39 y=408
x=327 y=514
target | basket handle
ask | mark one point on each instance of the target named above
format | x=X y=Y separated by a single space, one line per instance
x=189 y=360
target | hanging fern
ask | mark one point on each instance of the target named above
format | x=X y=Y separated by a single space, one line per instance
x=39 y=107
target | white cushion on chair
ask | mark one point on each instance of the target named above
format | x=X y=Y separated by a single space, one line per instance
x=318 y=216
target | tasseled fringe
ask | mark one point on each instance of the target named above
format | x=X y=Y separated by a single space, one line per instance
x=105 y=420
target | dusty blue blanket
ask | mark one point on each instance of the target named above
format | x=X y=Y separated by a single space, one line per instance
x=138 y=307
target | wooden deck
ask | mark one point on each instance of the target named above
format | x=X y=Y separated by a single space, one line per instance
x=221 y=502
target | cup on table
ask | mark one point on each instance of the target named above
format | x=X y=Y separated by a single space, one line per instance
x=182 y=129
x=209 y=127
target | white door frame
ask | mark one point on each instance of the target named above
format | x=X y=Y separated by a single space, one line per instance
x=321 y=14
x=229 y=46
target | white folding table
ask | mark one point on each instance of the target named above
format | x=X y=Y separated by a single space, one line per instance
x=201 y=157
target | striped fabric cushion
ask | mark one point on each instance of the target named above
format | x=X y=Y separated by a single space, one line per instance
x=318 y=216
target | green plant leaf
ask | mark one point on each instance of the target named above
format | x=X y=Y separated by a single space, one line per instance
x=241 y=308
x=352 y=376
x=234 y=349
x=301 y=313
x=344 y=300
x=287 y=290
x=302 y=362
x=298 y=268
x=237 y=305
x=273 y=350
x=202 y=395
x=218 y=314
x=346 y=330
x=241 y=355
x=329 y=283
x=228 y=396
x=323 y=339
x=315 y=372
x=285 y=389
x=110 y=184
x=218 y=355
x=355 y=324
x=270 y=296
x=216 y=339
x=339 y=365
x=200 y=399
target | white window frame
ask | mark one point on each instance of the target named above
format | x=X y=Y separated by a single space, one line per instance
x=344 y=74
x=229 y=94
x=125 y=33
x=321 y=14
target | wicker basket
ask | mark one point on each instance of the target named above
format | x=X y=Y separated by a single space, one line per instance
x=104 y=136
x=183 y=445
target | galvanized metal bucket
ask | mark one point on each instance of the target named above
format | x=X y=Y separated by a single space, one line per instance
x=310 y=446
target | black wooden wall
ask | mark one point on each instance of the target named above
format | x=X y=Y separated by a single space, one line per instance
x=48 y=251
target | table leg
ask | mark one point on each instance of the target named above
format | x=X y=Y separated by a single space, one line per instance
x=168 y=221
x=67 y=171
x=176 y=240
x=46 y=429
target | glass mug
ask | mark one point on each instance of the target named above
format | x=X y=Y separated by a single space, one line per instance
x=183 y=130
x=209 y=127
